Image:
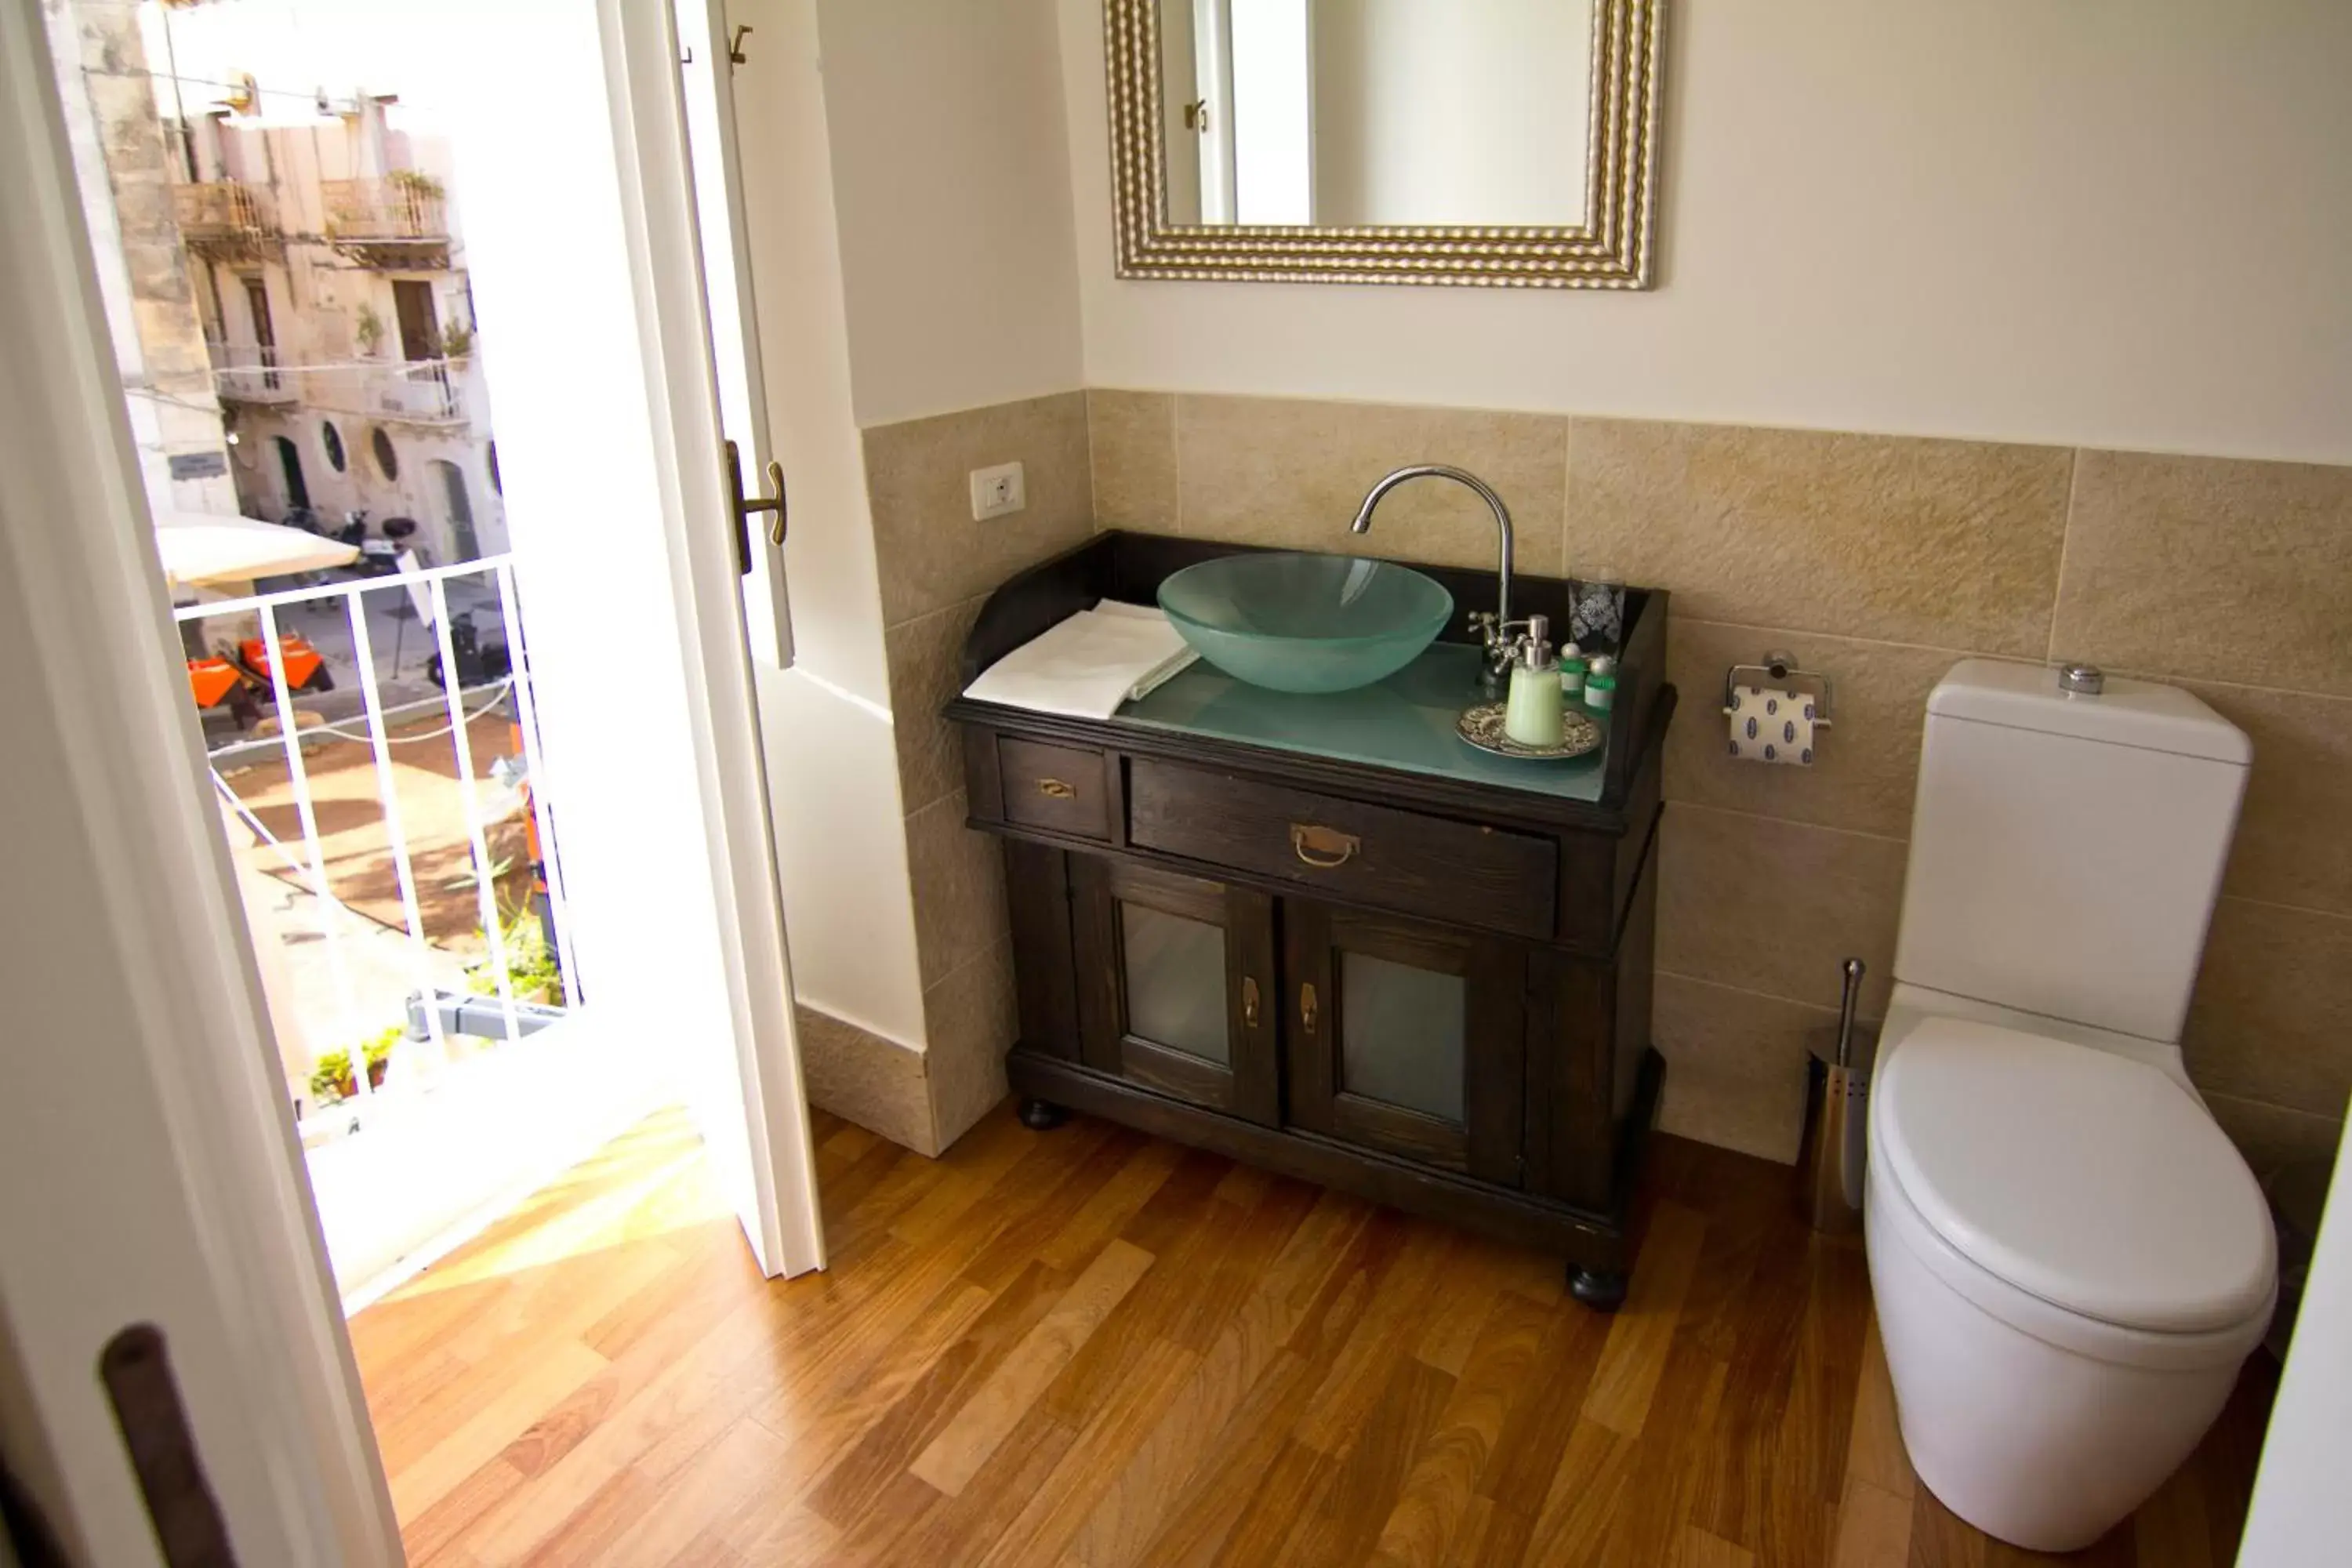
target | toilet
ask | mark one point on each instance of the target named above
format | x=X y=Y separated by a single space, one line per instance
x=2070 y=1259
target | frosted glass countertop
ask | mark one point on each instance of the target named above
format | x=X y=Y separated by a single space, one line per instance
x=1405 y=721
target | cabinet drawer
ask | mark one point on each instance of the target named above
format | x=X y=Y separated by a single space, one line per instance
x=1373 y=855
x=1057 y=788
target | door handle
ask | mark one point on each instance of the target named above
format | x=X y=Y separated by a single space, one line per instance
x=136 y=1369
x=745 y=505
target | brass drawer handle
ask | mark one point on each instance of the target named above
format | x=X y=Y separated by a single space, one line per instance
x=1307 y=1007
x=1249 y=1003
x=1054 y=789
x=1324 y=849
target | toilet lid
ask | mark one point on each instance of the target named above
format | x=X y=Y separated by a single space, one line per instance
x=2084 y=1178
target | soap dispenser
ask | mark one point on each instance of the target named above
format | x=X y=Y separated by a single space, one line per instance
x=1532 y=717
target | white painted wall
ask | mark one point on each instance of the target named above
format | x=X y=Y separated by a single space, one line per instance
x=2113 y=222
x=2301 y=1513
x=950 y=179
x=1451 y=112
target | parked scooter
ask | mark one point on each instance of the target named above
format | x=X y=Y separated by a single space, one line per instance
x=479 y=661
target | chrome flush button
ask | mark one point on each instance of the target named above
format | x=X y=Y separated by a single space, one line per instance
x=2082 y=680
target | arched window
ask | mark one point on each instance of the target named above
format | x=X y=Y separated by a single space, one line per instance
x=387 y=462
x=333 y=440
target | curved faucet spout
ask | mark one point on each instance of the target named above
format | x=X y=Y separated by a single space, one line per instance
x=1484 y=493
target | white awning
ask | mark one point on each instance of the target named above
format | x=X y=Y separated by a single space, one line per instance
x=200 y=547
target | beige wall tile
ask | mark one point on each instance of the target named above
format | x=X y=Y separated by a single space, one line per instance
x=929 y=552
x=2231 y=569
x=958 y=879
x=874 y=1083
x=1775 y=906
x=1133 y=438
x=1947 y=543
x=2272 y=1018
x=1735 y=1064
x=1867 y=766
x=2294 y=832
x=970 y=1019
x=1291 y=472
x=2270 y=1136
x=926 y=658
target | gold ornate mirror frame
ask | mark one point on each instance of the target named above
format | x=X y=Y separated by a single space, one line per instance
x=1610 y=249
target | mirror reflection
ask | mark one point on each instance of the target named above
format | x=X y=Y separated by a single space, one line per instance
x=1362 y=113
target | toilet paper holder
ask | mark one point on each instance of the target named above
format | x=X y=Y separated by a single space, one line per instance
x=1780 y=670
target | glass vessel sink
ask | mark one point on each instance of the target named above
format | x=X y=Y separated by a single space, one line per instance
x=1306 y=623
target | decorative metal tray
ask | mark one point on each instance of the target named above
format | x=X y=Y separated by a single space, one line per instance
x=1481 y=726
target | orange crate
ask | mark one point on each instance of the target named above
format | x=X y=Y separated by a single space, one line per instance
x=303 y=660
x=210 y=679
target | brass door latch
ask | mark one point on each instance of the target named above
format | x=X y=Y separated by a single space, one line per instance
x=746 y=505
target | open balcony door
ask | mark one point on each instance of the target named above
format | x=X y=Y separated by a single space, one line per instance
x=638 y=633
x=150 y=1171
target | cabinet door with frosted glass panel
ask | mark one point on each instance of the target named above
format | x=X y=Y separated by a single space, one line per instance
x=1405 y=1038
x=1176 y=981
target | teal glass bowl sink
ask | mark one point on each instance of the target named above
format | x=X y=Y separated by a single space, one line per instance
x=1306 y=623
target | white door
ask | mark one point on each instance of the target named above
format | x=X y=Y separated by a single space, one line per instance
x=148 y=1173
x=632 y=590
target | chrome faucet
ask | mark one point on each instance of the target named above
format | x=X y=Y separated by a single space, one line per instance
x=1493 y=627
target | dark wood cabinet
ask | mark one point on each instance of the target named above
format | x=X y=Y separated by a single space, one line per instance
x=1430 y=990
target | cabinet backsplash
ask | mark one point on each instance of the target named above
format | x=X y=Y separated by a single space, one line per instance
x=1878 y=560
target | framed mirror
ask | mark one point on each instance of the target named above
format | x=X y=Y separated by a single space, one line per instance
x=1505 y=143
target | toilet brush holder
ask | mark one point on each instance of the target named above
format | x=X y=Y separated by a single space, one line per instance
x=1835 y=1147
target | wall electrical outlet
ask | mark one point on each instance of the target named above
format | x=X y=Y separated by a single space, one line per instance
x=997 y=491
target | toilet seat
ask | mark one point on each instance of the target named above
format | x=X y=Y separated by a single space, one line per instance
x=2076 y=1193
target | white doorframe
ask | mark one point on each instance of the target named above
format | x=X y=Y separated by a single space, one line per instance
x=150 y=1171
x=207 y=1230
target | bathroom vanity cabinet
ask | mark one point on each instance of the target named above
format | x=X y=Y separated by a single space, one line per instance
x=1323 y=936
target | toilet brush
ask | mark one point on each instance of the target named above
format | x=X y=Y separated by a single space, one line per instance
x=1830 y=1160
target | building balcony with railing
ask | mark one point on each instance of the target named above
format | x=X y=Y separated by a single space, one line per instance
x=399 y=220
x=227 y=218
x=424 y=392
x=251 y=373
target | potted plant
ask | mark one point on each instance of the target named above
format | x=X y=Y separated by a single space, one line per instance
x=532 y=970
x=370 y=330
x=332 y=1078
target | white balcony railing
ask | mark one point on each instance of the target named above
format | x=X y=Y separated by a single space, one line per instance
x=379 y=954
x=250 y=373
x=425 y=392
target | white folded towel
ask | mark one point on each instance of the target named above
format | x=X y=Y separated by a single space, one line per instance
x=1088 y=665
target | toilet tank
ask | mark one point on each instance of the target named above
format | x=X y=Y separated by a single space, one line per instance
x=2065 y=850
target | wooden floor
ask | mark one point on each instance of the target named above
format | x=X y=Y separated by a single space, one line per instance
x=1088 y=1347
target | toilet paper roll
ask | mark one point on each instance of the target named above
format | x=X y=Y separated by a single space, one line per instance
x=1769 y=724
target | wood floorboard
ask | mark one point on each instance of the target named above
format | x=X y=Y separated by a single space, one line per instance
x=1090 y=1348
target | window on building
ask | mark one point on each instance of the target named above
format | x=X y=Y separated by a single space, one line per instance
x=387 y=462
x=333 y=440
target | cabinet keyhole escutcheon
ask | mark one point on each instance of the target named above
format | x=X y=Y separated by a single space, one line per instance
x=1307 y=1007
x=1249 y=1003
